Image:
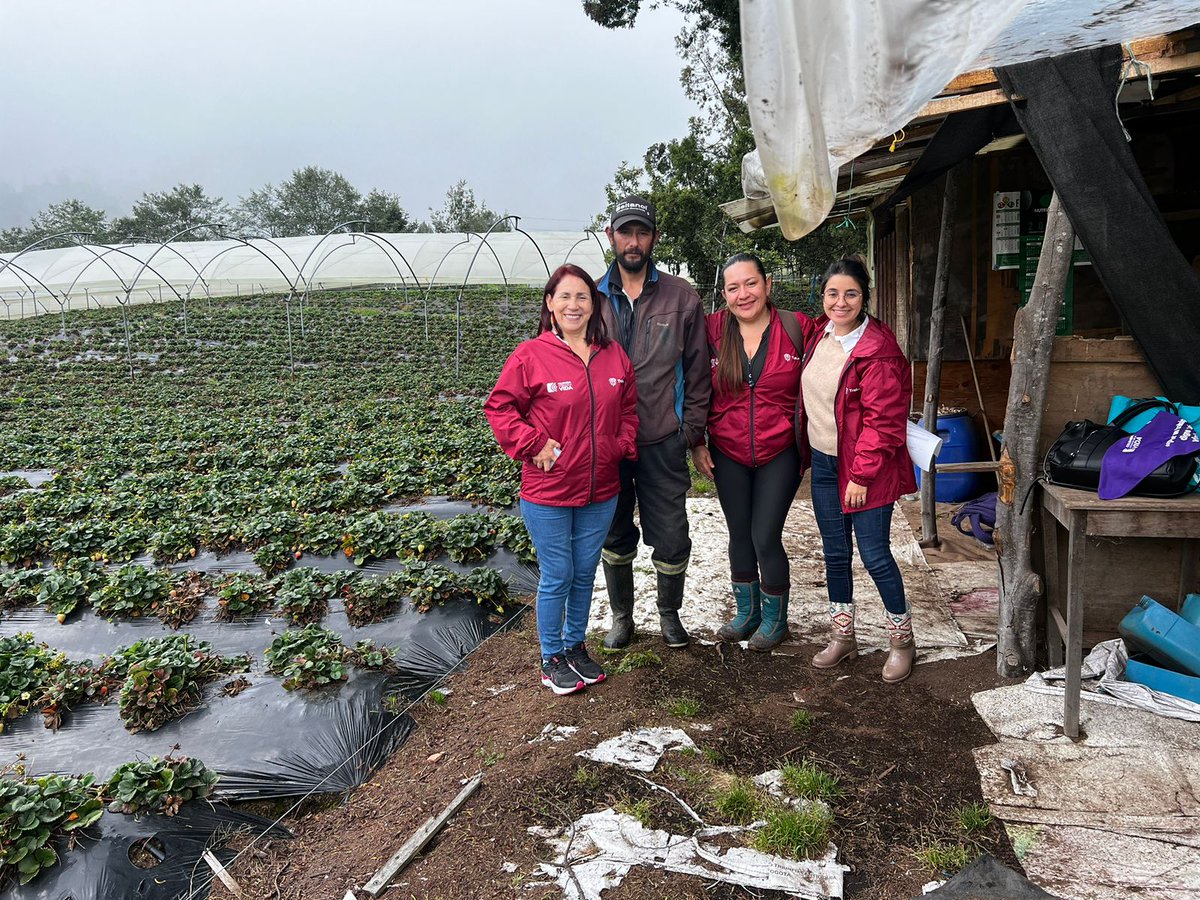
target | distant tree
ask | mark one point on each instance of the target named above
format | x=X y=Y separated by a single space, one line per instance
x=312 y=201
x=384 y=213
x=462 y=212
x=69 y=215
x=158 y=217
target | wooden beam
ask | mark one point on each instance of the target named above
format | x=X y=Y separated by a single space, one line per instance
x=933 y=368
x=1033 y=343
x=423 y=836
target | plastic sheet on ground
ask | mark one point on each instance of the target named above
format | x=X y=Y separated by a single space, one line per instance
x=99 y=868
x=1102 y=680
x=640 y=749
x=987 y=877
x=596 y=851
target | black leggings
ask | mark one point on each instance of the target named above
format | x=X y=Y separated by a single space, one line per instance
x=756 y=502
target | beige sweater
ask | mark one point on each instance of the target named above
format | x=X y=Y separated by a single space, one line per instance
x=820 y=383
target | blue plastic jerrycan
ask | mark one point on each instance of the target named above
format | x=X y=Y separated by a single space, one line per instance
x=1171 y=640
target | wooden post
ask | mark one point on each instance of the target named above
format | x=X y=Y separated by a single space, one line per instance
x=1033 y=342
x=903 y=278
x=933 y=364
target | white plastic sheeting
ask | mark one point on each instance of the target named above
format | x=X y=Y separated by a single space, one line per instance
x=43 y=281
x=826 y=79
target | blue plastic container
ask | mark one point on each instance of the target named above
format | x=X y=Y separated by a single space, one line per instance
x=1174 y=683
x=1164 y=636
x=961 y=442
x=1189 y=611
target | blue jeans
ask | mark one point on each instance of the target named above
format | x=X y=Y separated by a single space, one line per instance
x=568 y=540
x=870 y=527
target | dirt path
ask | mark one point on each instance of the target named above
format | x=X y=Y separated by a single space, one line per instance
x=902 y=755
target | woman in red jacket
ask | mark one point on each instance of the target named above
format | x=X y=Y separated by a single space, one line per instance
x=566 y=406
x=752 y=455
x=856 y=392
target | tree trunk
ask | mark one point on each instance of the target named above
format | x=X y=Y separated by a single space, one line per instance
x=1020 y=463
x=933 y=366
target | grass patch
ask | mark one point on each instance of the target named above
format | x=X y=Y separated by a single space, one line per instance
x=974 y=818
x=437 y=698
x=587 y=778
x=683 y=707
x=1023 y=837
x=802 y=721
x=713 y=756
x=795 y=833
x=946 y=859
x=738 y=804
x=639 y=809
x=807 y=781
x=638 y=659
x=690 y=777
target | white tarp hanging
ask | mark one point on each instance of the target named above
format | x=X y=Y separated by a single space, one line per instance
x=826 y=79
x=43 y=281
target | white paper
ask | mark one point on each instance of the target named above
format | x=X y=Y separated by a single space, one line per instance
x=923 y=446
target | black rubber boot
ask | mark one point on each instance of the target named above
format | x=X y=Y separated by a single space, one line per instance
x=670 y=600
x=619 y=580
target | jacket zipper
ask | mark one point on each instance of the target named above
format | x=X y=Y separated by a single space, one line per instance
x=587 y=371
x=753 y=462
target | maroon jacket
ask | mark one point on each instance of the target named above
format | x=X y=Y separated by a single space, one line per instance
x=871 y=409
x=756 y=424
x=545 y=391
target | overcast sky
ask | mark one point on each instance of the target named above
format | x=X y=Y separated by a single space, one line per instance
x=528 y=100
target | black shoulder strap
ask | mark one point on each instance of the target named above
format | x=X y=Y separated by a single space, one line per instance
x=791 y=327
x=1141 y=406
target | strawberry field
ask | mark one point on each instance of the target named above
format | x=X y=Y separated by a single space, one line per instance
x=244 y=506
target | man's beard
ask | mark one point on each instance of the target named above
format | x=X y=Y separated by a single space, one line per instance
x=632 y=267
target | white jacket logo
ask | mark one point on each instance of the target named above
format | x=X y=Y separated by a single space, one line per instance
x=552 y=386
x=615 y=381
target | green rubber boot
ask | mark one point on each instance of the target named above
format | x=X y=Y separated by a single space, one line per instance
x=774 y=627
x=748 y=598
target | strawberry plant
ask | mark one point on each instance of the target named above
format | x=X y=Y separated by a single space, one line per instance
x=303 y=594
x=469 y=537
x=70 y=685
x=375 y=535
x=367 y=655
x=488 y=587
x=372 y=599
x=308 y=658
x=165 y=677
x=25 y=666
x=511 y=532
x=185 y=598
x=428 y=583
x=419 y=535
x=63 y=590
x=34 y=813
x=20 y=587
x=158 y=785
x=244 y=594
x=132 y=591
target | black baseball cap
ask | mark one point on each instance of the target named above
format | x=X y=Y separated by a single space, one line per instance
x=633 y=209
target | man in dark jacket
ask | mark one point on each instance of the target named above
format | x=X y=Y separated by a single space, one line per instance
x=659 y=321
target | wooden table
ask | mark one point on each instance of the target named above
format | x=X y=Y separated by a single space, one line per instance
x=1084 y=515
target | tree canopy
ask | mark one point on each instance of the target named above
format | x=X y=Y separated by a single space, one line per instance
x=159 y=217
x=462 y=212
x=688 y=177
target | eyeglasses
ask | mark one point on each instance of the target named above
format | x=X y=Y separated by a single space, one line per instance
x=833 y=294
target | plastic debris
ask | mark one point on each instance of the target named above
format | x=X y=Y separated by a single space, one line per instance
x=605 y=845
x=640 y=749
x=555 y=734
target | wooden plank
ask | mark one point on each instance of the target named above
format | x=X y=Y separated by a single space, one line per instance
x=1076 y=548
x=985 y=465
x=423 y=835
x=948 y=105
x=220 y=871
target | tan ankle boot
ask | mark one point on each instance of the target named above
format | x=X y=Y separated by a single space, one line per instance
x=839 y=647
x=899 y=662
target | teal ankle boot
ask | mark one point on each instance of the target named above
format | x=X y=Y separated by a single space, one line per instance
x=749 y=613
x=774 y=627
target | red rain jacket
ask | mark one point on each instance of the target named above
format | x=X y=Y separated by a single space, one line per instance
x=871 y=408
x=755 y=425
x=545 y=391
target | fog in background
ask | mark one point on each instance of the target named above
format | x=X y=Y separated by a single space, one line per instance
x=528 y=100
